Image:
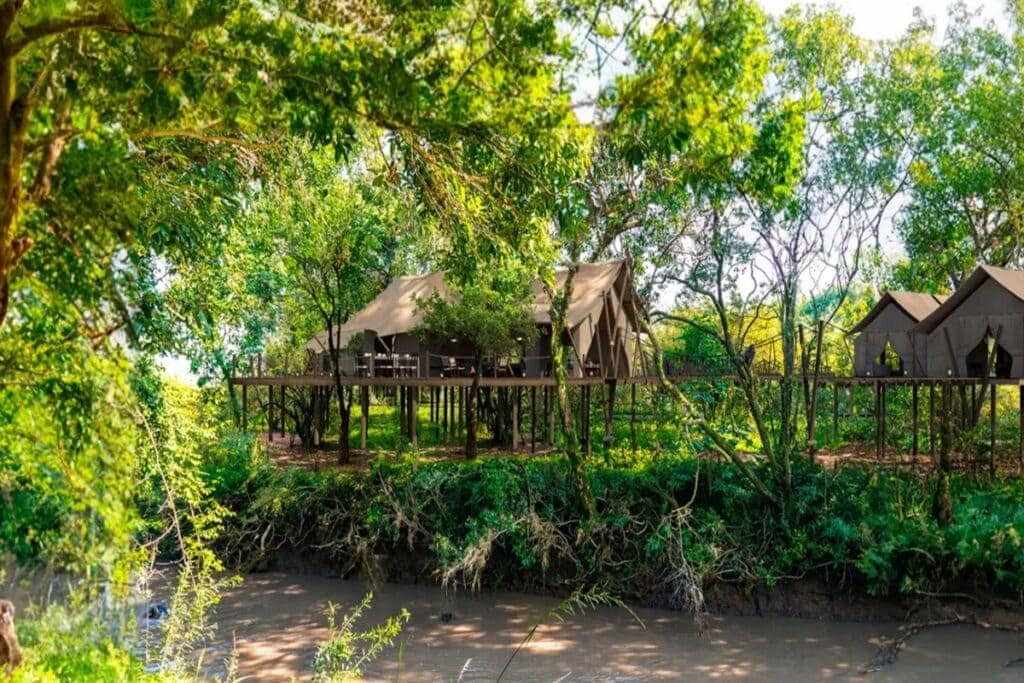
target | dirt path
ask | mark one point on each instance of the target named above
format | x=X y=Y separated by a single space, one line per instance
x=275 y=621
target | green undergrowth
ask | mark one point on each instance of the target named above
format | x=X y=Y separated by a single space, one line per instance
x=516 y=523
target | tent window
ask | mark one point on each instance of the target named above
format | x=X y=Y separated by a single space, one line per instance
x=889 y=362
x=979 y=357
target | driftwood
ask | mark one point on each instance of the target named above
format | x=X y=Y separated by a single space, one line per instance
x=889 y=651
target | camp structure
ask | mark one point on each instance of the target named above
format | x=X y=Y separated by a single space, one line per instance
x=379 y=340
x=602 y=337
x=887 y=341
x=979 y=330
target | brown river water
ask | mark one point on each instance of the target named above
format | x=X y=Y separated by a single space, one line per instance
x=275 y=620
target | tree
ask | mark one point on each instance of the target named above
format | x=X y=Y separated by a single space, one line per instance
x=340 y=236
x=94 y=93
x=956 y=105
x=757 y=184
x=492 y=315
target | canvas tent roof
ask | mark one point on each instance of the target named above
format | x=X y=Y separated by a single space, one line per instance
x=393 y=311
x=591 y=283
x=917 y=305
x=1011 y=280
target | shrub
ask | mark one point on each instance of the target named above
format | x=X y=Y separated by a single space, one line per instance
x=664 y=526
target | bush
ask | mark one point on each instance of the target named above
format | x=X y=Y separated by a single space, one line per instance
x=516 y=523
x=346 y=651
x=63 y=644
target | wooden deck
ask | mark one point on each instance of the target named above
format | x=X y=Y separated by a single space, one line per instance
x=328 y=380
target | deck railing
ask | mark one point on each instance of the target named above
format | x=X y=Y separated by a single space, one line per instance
x=433 y=365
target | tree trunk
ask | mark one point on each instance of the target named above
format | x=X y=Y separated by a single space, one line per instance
x=471 y=410
x=812 y=406
x=787 y=423
x=13 y=118
x=559 y=307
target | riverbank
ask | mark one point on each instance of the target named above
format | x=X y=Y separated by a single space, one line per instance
x=274 y=621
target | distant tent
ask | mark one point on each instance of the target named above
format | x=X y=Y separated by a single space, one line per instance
x=963 y=331
x=887 y=342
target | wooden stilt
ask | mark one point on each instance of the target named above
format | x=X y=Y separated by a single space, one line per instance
x=444 y=413
x=835 y=413
x=270 y=413
x=461 y=422
x=878 y=420
x=515 y=420
x=453 y=426
x=609 y=413
x=533 y=419
x=913 y=418
x=403 y=411
x=499 y=422
x=364 y=415
x=632 y=416
x=586 y=421
x=885 y=418
x=414 y=407
x=992 y=429
x=283 y=413
x=1020 y=446
x=551 y=421
x=245 y=407
x=931 y=419
x=315 y=403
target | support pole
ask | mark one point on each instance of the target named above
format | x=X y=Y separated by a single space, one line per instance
x=314 y=400
x=270 y=414
x=453 y=426
x=461 y=422
x=551 y=420
x=515 y=419
x=1020 y=447
x=586 y=420
x=931 y=419
x=364 y=415
x=609 y=413
x=414 y=407
x=885 y=418
x=533 y=419
x=444 y=413
x=245 y=407
x=281 y=416
x=632 y=416
x=400 y=400
x=878 y=420
x=913 y=417
x=992 y=429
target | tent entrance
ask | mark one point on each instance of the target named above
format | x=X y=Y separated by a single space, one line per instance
x=889 y=363
x=979 y=357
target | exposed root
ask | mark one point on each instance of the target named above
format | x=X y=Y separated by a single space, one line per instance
x=474 y=560
x=683 y=579
x=889 y=652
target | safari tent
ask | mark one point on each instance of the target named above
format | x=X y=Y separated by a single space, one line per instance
x=602 y=337
x=887 y=341
x=979 y=330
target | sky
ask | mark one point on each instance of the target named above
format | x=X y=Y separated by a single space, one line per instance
x=887 y=19
x=873 y=19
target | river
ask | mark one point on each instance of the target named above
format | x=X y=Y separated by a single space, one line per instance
x=275 y=620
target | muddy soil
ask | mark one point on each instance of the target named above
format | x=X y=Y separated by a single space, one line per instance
x=274 y=620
